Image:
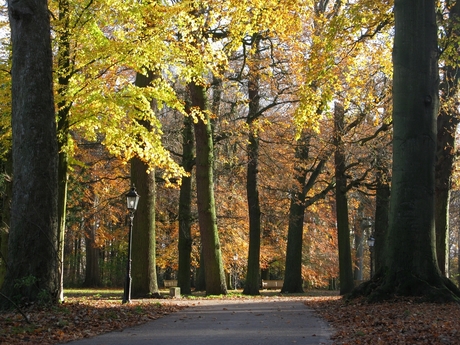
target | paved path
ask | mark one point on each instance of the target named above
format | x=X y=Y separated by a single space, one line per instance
x=226 y=322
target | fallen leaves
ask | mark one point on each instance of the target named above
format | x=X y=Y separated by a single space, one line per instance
x=401 y=321
x=78 y=318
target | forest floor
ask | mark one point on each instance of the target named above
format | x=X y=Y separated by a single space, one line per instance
x=86 y=313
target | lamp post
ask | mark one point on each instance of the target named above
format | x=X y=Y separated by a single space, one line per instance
x=132 y=199
x=370 y=243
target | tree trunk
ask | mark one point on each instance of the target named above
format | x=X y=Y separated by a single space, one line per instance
x=92 y=272
x=293 y=271
x=251 y=286
x=343 y=229
x=185 y=216
x=447 y=123
x=214 y=271
x=144 y=276
x=33 y=260
x=200 y=281
x=411 y=264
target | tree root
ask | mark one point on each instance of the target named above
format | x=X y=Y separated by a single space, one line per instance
x=383 y=287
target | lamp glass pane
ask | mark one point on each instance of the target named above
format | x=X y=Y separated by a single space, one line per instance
x=132 y=199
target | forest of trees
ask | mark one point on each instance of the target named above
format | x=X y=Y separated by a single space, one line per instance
x=265 y=138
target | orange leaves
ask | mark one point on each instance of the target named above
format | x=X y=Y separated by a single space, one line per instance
x=77 y=318
x=402 y=321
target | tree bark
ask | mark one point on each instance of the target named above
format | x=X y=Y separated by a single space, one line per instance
x=293 y=271
x=185 y=216
x=411 y=264
x=343 y=229
x=33 y=259
x=92 y=272
x=214 y=271
x=251 y=286
x=382 y=207
x=447 y=123
x=144 y=277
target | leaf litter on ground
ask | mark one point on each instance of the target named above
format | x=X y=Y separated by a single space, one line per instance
x=400 y=321
x=78 y=318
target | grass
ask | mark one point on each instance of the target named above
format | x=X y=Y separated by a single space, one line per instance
x=94 y=293
x=114 y=294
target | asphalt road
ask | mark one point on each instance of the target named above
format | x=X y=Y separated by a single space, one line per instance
x=227 y=322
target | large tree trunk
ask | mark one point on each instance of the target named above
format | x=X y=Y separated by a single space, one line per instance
x=293 y=271
x=33 y=259
x=251 y=286
x=214 y=271
x=447 y=122
x=144 y=277
x=185 y=217
x=343 y=229
x=411 y=265
x=200 y=281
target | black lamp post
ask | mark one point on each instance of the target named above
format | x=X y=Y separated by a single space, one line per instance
x=370 y=243
x=132 y=199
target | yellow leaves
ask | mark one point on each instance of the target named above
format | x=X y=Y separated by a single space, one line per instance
x=349 y=59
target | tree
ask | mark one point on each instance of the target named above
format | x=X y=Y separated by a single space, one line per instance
x=145 y=283
x=343 y=230
x=293 y=282
x=93 y=89
x=447 y=123
x=251 y=286
x=33 y=260
x=411 y=267
x=185 y=217
x=214 y=272
x=382 y=206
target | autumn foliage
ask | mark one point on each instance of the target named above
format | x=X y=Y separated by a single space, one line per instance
x=311 y=54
